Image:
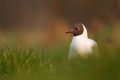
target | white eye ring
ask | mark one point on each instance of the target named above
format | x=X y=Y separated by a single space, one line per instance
x=77 y=28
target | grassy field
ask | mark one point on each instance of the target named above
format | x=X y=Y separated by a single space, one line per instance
x=53 y=64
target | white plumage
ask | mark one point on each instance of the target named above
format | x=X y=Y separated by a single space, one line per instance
x=81 y=44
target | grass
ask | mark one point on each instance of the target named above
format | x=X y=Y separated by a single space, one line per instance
x=31 y=64
x=18 y=62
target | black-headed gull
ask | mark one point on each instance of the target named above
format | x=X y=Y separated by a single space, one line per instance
x=80 y=44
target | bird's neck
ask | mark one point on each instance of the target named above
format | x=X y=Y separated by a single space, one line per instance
x=80 y=36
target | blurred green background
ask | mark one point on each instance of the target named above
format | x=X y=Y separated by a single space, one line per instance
x=34 y=46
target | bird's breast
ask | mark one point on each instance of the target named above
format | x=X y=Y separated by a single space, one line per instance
x=82 y=46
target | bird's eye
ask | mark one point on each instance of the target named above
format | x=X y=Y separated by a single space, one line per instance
x=77 y=28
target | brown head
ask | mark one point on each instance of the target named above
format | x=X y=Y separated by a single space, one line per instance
x=77 y=29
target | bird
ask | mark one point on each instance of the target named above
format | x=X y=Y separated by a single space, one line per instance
x=80 y=45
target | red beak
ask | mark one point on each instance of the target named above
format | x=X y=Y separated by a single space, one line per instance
x=68 y=32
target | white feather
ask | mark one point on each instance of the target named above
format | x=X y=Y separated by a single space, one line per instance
x=81 y=45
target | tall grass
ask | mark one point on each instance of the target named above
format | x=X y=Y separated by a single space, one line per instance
x=30 y=64
x=20 y=61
